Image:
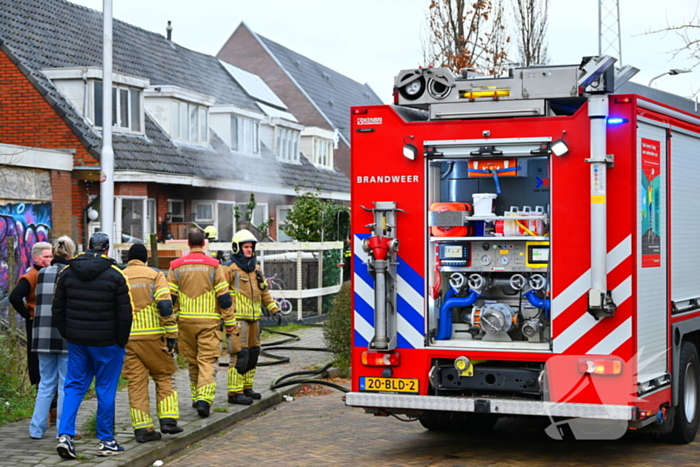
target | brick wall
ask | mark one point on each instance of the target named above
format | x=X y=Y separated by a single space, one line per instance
x=27 y=119
x=130 y=189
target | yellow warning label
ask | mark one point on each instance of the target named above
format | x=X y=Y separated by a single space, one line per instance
x=598 y=199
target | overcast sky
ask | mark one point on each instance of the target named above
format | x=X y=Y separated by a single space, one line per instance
x=371 y=40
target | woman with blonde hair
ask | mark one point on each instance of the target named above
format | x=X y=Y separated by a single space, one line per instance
x=47 y=341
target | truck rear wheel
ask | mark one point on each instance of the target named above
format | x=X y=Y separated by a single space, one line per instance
x=458 y=421
x=685 y=424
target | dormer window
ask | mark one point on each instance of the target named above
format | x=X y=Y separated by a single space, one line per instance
x=323 y=152
x=238 y=128
x=244 y=135
x=182 y=113
x=83 y=87
x=189 y=122
x=287 y=144
x=126 y=107
x=317 y=144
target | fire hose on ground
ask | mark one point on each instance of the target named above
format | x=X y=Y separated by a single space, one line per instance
x=299 y=377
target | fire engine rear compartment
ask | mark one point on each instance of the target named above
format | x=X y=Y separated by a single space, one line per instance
x=488 y=245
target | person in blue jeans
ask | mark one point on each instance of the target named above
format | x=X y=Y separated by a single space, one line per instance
x=93 y=311
x=47 y=342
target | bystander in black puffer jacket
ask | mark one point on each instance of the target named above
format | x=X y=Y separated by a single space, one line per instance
x=92 y=304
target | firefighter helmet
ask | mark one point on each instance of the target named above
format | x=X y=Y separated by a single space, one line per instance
x=99 y=241
x=211 y=232
x=241 y=237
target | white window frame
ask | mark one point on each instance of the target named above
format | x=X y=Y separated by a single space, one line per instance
x=191 y=119
x=170 y=205
x=118 y=216
x=287 y=144
x=216 y=224
x=279 y=224
x=322 y=152
x=211 y=203
x=250 y=138
x=264 y=206
x=117 y=123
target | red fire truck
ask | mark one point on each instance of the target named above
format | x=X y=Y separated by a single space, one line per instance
x=528 y=245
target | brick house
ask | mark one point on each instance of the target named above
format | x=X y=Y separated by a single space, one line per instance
x=318 y=96
x=193 y=136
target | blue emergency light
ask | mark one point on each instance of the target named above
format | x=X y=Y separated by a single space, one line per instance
x=616 y=120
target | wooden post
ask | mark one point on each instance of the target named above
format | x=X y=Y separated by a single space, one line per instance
x=11 y=280
x=153 y=241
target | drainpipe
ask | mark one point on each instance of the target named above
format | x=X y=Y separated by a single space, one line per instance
x=600 y=302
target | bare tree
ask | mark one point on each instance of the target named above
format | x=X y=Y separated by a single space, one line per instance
x=467 y=35
x=689 y=35
x=531 y=31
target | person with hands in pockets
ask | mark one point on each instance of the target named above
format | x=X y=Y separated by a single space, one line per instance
x=92 y=310
x=249 y=292
x=199 y=288
x=149 y=351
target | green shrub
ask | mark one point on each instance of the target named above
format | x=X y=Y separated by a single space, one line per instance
x=17 y=395
x=313 y=219
x=336 y=330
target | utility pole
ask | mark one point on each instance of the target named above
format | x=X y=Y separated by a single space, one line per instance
x=107 y=156
x=609 y=38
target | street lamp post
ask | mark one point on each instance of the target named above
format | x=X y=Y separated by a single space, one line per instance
x=672 y=72
x=107 y=153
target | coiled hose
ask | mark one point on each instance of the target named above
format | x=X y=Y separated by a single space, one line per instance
x=284 y=380
x=278 y=360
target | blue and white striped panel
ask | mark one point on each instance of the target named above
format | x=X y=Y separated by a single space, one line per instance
x=410 y=322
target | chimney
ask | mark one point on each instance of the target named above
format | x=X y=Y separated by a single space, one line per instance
x=170 y=32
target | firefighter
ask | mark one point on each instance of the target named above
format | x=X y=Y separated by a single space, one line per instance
x=149 y=351
x=249 y=291
x=198 y=285
x=211 y=235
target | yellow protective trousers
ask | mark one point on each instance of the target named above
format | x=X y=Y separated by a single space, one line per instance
x=241 y=370
x=146 y=358
x=200 y=344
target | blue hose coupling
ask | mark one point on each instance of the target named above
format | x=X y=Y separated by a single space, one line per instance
x=444 y=331
x=538 y=302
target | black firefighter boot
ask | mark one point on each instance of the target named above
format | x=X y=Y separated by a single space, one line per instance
x=248 y=392
x=239 y=398
x=169 y=426
x=144 y=435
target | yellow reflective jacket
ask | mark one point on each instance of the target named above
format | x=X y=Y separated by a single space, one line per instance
x=199 y=283
x=247 y=295
x=153 y=310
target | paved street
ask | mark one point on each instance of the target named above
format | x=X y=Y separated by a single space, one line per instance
x=17 y=448
x=321 y=431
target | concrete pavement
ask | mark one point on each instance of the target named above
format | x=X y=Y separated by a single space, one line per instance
x=17 y=448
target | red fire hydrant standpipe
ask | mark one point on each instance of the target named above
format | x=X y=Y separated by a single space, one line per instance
x=382 y=260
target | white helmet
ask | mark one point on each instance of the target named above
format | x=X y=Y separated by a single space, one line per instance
x=241 y=237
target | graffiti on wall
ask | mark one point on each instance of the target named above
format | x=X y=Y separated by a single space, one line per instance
x=27 y=223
